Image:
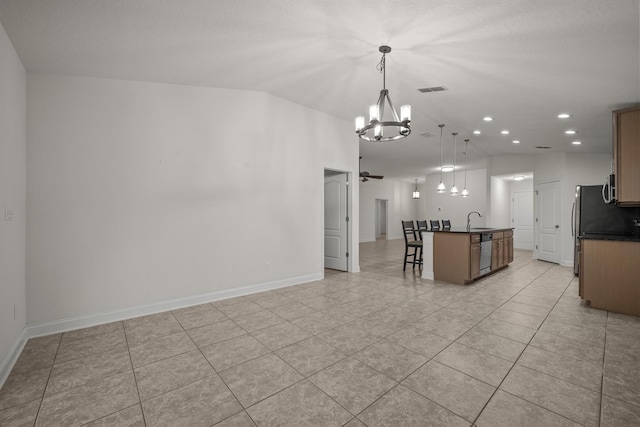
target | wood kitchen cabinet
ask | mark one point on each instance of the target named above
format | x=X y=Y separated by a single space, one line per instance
x=626 y=156
x=609 y=275
x=456 y=255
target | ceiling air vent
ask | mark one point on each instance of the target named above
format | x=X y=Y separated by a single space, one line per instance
x=432 y=89
x=427 y=135
x=542 y=147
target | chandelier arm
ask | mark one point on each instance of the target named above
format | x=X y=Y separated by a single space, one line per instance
x=393 y=110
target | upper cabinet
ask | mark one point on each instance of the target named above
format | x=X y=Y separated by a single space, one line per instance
x=626 y=155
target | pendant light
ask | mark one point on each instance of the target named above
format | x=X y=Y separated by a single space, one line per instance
x=441 y=187
x=416 y=193
x=465 y=193
x=454 y=189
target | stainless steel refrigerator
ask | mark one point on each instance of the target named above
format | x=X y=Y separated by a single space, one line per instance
x=592 y=216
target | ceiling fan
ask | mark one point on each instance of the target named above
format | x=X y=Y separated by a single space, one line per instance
x=366 y=175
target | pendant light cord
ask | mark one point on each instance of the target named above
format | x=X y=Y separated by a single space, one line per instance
x=454 y=157
x=441 y=158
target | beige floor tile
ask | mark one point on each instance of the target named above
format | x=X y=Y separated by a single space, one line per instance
x=507 y=330
x=348 y=339
x=234 y=351
x=43 y=341
x=168 y=374
x=23 y=415
x=152 y=326
x=317 y=323
x=259 y=378
x=215 y=332
x=149 y=351
x=505 y=409
x=517 y=318
x=202 y=403
x=478 y=364
x=574 y=332
x=77 y=372
x=83 y=345
x=460 y=393
x=89 y=402
x=352 y=384
x=200 y=315
x=394 y=361
x=415 y=338
x=579 y=372
x=616 y=413
x=525 y=308
x=622 y=382
x=280 y=335
x=559 y=396
x=23 y=387
x=130 y=417
x=310 y=355
x=258 y=320
x=292 y=310
x=495 y=345
x=355 y=423
x=92 y=331
x=241 y=419
x=240 y=309
x=36 y=357
x=299 y=405
x=403 y=407
x=567 y=347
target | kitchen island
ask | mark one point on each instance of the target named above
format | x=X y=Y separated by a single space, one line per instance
x=458 y=255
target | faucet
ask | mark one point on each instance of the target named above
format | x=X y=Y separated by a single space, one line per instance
x=469 y=219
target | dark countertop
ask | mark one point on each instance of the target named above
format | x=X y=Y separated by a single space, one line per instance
x=471 y=231
x=620 y=237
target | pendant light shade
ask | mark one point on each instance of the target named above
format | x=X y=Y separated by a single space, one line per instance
x=416 y=193
x=454 y=190
x=465 y=193
x=441 y=188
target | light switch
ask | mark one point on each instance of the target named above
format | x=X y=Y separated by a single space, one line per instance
x=8 y=213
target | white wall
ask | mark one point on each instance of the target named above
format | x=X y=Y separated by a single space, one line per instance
x=13 y=87
x=444 y=206
x=140 y=193
x=401 y=206
x=500 y=203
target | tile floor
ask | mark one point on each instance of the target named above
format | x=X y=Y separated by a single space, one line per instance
x=378 y=348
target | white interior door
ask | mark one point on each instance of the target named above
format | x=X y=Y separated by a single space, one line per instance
x=335 y=222
x=548 y=221
x=522 y=219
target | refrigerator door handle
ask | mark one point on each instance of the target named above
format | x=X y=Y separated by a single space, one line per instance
x=573 y=219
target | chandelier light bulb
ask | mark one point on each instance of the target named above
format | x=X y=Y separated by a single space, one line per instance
x=454 y=191
x=359 y=123
x=441 y=188
x=464 y=193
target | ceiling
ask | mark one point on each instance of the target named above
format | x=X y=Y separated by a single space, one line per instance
x=520 y=62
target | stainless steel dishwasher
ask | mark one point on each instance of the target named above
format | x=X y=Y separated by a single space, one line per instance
x=485 y=253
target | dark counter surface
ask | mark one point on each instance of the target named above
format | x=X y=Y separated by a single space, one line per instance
x=621 y=237
x=473 y=230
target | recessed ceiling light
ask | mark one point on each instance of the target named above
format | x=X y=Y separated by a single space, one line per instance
x=487 y=119
x=447 y=168
x=515 y=141
x=518 y=178
x=564 y=115
x=576 y=142
x=570 y=132
x=504 y=132
x=476 y=132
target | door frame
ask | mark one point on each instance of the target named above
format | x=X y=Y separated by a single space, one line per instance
x=536 y=210
x=386 y=218
x=349 y=215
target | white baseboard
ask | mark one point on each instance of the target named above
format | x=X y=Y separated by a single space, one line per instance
x=427 y=275
x=10 y=360
x=79 y=322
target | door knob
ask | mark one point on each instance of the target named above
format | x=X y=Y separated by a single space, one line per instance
x=556 y=226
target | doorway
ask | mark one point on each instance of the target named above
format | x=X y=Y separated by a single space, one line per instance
x=548 y=221
x=522 y=219
x=336 y=220
x=381 y=219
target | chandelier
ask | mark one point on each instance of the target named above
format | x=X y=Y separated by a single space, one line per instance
x=395 y=129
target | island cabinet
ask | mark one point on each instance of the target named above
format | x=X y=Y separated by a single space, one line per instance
x=609 y=275
x=626 y=156
x=456 y=255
